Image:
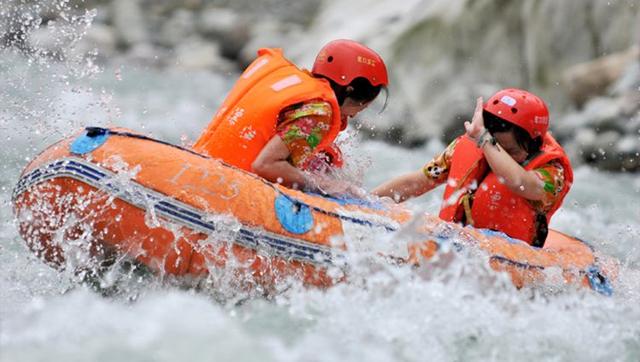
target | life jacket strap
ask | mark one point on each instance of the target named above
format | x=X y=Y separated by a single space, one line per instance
x=466 y=204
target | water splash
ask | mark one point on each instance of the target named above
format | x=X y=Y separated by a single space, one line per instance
x=453 y=309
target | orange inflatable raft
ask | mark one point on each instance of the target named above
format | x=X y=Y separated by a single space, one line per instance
x=184 y=214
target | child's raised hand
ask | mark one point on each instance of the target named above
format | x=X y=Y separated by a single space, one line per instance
x=475 y=128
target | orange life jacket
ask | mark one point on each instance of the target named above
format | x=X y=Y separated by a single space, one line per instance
x=247 y=119
x=475 y=196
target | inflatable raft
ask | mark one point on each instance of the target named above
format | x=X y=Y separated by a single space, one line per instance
x=184 y=214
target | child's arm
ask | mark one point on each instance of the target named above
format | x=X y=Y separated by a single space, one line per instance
x=405 y=187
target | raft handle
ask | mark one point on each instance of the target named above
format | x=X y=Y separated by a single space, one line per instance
x=95 y=131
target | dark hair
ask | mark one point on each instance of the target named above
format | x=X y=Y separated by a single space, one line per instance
x=360 y=90
x=495 y=124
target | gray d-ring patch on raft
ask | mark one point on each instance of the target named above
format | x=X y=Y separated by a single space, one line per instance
x=294 y=216
x=91 y=139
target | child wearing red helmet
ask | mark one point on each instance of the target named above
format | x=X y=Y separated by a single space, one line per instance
x=506 y=173
x=279 y=120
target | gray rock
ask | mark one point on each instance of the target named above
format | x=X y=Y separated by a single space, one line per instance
x=227 y=27
x=570 y=125
x=575 y=152
x=180 y=26
x=589 y=79
x=606 y=142
x=628 y=144
x=631 y=125
x=617 y=24
x=629 y=81
x=602 y=113
x=630 y=102
x=196 y=53
x=602 y=151
x=585 y=139
x=300 y=12
x=267 y=34
x=129 y=23
x=453 y=108
x=630 y=163
x=553 y=38
x=434 y=48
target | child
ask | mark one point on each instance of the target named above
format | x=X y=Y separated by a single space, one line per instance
x=506 y=173
x=277 y=118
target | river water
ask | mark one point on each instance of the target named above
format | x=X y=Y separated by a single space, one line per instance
x=461 y=312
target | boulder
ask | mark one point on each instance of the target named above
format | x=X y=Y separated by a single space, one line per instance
x=601 y=152
x=589 y=79
x=629 y=82
x=570 y=126
x=180 y=26
x=603 y=113
x=268 y=34
x=434 y=48
x=629 y=144
x=227 y=27
x=197 y=53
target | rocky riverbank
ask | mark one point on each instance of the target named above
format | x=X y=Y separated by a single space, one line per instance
x=578 y=54
x=604 y=127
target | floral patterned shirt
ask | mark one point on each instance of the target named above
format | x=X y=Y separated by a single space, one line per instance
x=552 y=174
x=302 y=127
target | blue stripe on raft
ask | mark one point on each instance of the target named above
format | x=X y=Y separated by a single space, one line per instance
x=310 y=251
x=352 y=219
x=342 y=201
x=54 y=168
x=518 y=264
x=184 y=211
x=83 y=173
x=489 y=232
x=192 y=220
x=87 y=173
x=247 y=235
x=336 y=215
x=348 y=200
x=89 y=169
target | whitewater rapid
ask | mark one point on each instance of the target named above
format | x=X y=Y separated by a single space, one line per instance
x=461 y=312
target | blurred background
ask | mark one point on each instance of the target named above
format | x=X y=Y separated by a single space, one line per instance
x=581 y=56
x=162 y=67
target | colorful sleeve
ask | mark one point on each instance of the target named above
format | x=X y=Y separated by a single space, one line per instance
x=552 y=176
x=437 y=170
x=302 y=128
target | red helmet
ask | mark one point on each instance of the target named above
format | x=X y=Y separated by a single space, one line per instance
x=343 y=60
x=521 y=108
